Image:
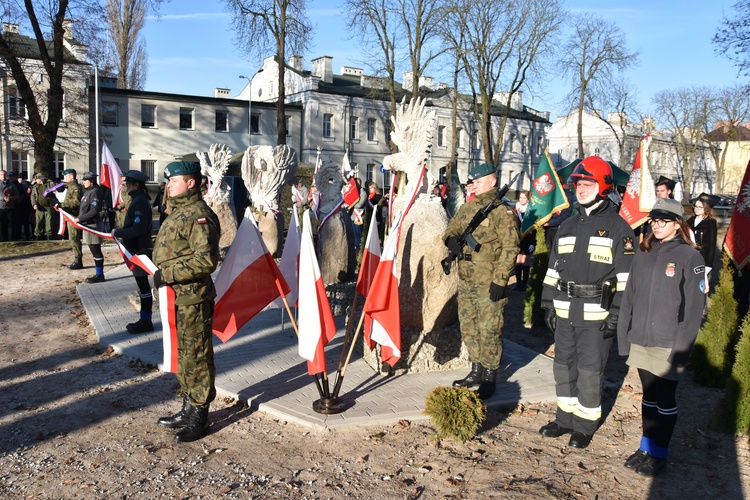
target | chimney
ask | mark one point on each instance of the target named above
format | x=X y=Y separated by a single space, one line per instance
x=408 y=81
x=10 y=28
x=68 y=28
x=296 y=62
x=322 y=68
x=222 y=93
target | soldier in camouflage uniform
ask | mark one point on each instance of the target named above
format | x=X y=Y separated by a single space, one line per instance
x=72 y=204
x=186 y=252
x=483 y=277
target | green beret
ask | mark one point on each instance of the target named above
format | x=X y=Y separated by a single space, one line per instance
x=137 y=176
x=481 y=171
x=69 y=171
x=181 y=168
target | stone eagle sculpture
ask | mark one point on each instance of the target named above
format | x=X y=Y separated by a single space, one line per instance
x=214 y=164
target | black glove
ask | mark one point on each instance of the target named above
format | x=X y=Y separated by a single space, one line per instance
x=453 y=245
x=609 y=327
x=158 y=280
x=550 y=319
x=497 y=292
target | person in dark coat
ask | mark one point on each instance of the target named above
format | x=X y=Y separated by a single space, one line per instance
x=703 y=225
x=89 y=215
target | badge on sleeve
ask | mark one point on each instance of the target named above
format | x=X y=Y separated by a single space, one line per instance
x=627 y=246
x=201 y=220
x=670 y=269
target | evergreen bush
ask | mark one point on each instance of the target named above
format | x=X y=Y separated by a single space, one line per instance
x=733 y=413
x=533 y=314
x=712 y=355
x=455 y=412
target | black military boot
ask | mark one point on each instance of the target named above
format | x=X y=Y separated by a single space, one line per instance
x=97 y=278
x=487 y=386
x=140 y=326
x=77 y=264
x=196 y=427
x=473 y=378
x=178 y=420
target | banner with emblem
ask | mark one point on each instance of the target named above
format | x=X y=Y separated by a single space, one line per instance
x=737 y=241
x=639 y=195
x=547 y=196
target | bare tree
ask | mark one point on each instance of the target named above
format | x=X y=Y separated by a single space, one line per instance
x=731 y=108
x=622 y=98
x=263 y=25
x=732 y=38
x=685 y=112
x=592 y=54
x=126 y=19
x=422 y=20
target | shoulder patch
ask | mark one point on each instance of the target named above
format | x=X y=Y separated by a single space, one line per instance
x=602 y=233
x=627 y=245
x=201 y=220
x=700 y=270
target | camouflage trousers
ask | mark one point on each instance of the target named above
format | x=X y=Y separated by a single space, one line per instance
x=74 y=235
x=481 y=323
x=196 y=371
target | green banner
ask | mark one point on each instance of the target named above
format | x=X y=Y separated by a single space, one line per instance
x=547 y=196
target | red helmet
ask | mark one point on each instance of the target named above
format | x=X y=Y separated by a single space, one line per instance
x=594 y=169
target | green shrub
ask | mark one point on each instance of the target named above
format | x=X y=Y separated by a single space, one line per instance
x=713 y=352
x=533 y=314
x=733 y=414
x=455 y=412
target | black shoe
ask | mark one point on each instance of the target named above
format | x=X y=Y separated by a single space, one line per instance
x=636 y=459
x=77 y=264
x=179 y=419
x=488 y=385
x=473 y=378
x=652 y=466
x=140 y=326
x=196 y=427
x=579 y=440
x=97 y=278
x=554 y=430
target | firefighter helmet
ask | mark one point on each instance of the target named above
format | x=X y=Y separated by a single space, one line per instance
x=594 y=169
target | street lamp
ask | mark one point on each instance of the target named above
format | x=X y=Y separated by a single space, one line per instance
x=249 y=110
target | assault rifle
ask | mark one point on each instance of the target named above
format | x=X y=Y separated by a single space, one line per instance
x=466 y=237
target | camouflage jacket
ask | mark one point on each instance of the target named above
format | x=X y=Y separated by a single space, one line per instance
x=72 y=201
x=498 y=235
x=187 y=248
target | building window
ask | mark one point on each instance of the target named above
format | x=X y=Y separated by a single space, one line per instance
x=16 y=106
x=109 y=114
x=387 y=131
x=371 y=128
x=523 y=144
x=148 y=115
x=148 y=167
x=354 y=128
x=475 y=139
x=58 y=160
x=255 y=123
x=327 y=128
x=540 y=145
x=511 y=142
x=387 y=181
x=186 y=118
x=441 y=134
x=222 y=121
x=19 y=162
x=596 y=151
x=355 y=169
x=370 y=171
x=458 y=137
x=442 y=174
x=288 y=125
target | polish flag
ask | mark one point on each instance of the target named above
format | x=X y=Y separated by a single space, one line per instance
x=346 y=167
x=248 y=281
x=167 y=311
x=316 y=326
x=289 y=264
x=111 y=175
x=639 y=195
x=370 y=259
x=382 y=305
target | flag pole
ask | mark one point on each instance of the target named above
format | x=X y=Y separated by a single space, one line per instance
x=337 y=384
x=342 y=371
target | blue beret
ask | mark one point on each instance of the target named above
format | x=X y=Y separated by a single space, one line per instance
x=136 y=176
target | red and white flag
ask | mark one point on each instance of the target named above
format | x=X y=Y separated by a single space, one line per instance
x=167 y=312
x=639 y=195
x=111 y=175
x=248 y=280
x=289 y=264
x=737 y=241
x=346 y=167
x=370 y=259
x=382 y=304
x=316 y=326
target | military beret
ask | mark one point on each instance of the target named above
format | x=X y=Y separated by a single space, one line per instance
x=89 y=176
x=667 y=208
x=482 y=170
x=136 y=176
x=181 y=168
x=68 y=171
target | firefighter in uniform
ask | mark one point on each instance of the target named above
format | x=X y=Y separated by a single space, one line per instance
x=483 y=276
x=588 y=268
x=186 y=252
x=72 y=204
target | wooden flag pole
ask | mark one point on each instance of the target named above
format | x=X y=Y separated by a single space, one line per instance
x=340 y=377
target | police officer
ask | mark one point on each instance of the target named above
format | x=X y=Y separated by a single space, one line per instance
x=136 y=236
x=186 y=252
x=89 y=215
x=42 y=206
x=71 y=204
x=588 y=268
x=483 y=276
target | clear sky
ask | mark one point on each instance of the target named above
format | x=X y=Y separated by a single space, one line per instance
x=192 y=50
